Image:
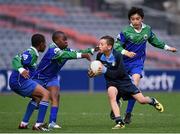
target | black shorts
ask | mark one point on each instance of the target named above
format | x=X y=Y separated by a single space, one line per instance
x=126 y=92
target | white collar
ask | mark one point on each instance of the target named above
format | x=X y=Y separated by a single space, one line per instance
x=142 y=26
x=35 y=50
x=55 y=45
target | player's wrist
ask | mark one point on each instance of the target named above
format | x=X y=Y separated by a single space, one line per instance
x=166 y=47
x=21 y=70
x=124 y=52
x=79 y=55
x=92 y=50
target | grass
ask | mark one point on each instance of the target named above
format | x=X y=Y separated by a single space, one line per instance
x=89 y=113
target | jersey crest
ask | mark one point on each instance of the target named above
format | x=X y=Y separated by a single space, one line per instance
x=145 y=36
x=57 y=50
x=24 y=56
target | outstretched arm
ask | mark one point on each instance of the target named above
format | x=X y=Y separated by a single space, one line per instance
x=60 y=54
x=154 y=41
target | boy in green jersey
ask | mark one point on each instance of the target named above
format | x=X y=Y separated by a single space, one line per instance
x=131 y=42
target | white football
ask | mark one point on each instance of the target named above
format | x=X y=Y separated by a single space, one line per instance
x=95 y=65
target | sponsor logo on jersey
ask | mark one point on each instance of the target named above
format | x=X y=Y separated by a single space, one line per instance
x=113 y=64
x=25 y=56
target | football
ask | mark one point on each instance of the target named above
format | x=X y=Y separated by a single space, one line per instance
x=95 y=65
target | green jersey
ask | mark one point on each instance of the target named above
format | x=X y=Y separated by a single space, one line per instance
x=135 y=41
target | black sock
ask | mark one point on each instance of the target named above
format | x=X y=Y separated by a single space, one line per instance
x=152 y=102
x=119 y=120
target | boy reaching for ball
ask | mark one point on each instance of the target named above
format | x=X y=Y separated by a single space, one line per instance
x=117 y=80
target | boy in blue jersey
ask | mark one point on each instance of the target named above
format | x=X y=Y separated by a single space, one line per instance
x=131 y=42
x=118 y=81
x=20 y=82
x=49 y=67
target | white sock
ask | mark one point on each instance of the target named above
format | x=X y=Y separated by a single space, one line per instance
x=24 y=123
x=38 y=124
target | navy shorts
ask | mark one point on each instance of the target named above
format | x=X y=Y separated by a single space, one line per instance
x=126 y=92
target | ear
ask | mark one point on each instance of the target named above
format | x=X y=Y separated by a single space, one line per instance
x=109 y=47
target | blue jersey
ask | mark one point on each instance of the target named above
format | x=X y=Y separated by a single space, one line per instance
x=53 y=60
x=26 y=60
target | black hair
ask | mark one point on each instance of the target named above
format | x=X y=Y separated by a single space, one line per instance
x=136 y=10
x=109 y=39
x=37 y=39
x=56 y=34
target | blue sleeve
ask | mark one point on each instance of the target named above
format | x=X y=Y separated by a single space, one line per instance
x=121 y=37
x=26 y=58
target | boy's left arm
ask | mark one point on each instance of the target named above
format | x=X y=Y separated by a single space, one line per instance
x=154 y=41
x=88 y=50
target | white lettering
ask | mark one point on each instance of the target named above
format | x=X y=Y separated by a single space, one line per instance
x=157 y=82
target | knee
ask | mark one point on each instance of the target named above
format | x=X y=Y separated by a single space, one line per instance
x=46 y=94
x=55 y=96
x=112 y=96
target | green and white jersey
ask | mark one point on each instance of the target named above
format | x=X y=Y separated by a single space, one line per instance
x=135 y=41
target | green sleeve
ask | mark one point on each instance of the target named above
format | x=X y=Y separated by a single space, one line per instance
x=118 y=46
x=16 y=62
x=88 y=50
x=154 y=41
x=60 y=54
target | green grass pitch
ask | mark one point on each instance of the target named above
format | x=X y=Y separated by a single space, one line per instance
x=89 y=113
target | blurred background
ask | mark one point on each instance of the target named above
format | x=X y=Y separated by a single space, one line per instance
x=85 y=21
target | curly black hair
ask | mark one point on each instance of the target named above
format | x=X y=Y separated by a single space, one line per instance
x=37 y=39
x=136 y=10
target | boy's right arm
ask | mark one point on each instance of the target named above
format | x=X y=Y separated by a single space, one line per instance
x=16 y=62
x=60 y=54
x=17 y=65
x=118 y=46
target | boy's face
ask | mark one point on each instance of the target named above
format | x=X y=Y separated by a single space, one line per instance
x=103 y=46
x=136 y=21
x=42 y=47
x=61 y=42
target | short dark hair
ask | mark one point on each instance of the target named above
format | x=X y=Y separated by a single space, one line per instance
x=109 y=39
x=56 y=34
x=37 y=39
x=135 y=10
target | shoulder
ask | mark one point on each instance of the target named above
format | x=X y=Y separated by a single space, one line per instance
x=53 y=49
x=148 y=27
x=117 y=55
x=27 y=54
x=98 y=57
x=127 y=29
